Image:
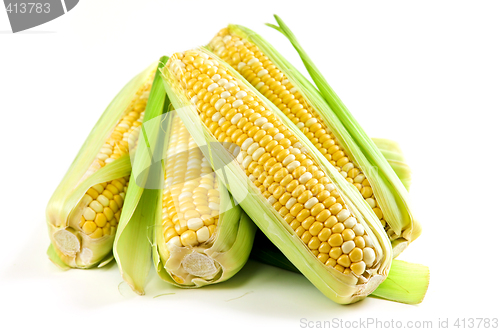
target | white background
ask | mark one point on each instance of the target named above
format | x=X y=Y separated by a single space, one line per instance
x=424 y=73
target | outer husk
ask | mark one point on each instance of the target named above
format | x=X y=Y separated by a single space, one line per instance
x=70 y=247
x=132 y=248
x=391 y=194
x=394 y=156
x=406 y=282
x=337 y=286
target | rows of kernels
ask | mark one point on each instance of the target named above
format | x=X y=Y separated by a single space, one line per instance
x=274 y=160
x=252 y=64
x=101 y=216
x=126 y=131
x=191 y=197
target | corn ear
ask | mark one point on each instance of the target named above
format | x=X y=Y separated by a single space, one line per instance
x=102 y=160
x=391 y=197
x=340 y=287
x=182 y=253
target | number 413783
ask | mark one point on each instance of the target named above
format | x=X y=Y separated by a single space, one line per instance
x=474 y=323
x=28 y=7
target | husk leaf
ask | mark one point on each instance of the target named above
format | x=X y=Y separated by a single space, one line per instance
x=132 y=249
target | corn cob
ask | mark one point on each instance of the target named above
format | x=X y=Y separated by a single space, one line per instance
x=191 y=200
x=200 y=236
x=83 y=213
x=306 y=208
x=258 y=63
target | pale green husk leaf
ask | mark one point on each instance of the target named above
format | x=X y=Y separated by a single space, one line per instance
x=132 y=249
x=406 y=283
x=395 y=157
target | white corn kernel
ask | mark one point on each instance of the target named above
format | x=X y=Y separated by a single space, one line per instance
x=293 y=165
x=368 y=256
x=203 y=234
x=260 y=121
x=291 y=202
x=236 y=118
x=175 y=241
x=213 y=206
x=237 y=103
x=89 y=214
x=219 y=103
x=246 y=144
x=343 y=215
x=311 y=202
x=252 y=148
x=348 y=246
x=241 y=94
x=358 y=229
x=195 y=224
x=350 y=222
x=305 y=177
x=258 y=153
x=212 y=87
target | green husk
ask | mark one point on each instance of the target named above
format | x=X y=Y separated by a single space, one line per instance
x=70 y=247
x=406 y=282
x=394 y=155
x=132 y=248
x=392 y=202
x=337 y=286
